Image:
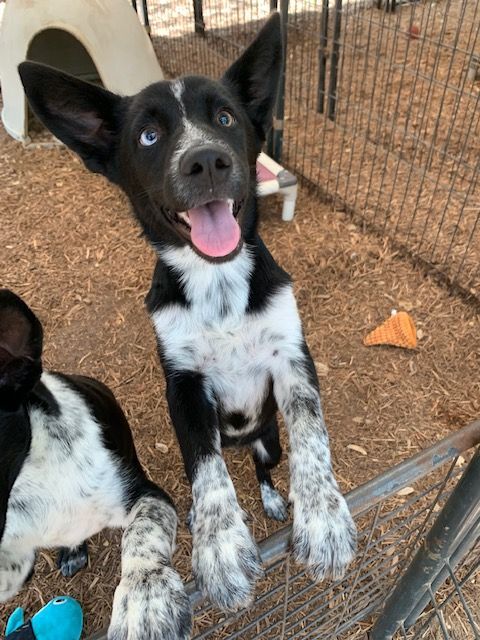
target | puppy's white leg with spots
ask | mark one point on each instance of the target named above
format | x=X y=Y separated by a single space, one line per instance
x=225 y=557
x=15 y=567
x=150 y=602
x=324 y=534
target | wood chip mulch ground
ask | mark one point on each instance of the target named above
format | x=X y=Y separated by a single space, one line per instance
x=72 y=250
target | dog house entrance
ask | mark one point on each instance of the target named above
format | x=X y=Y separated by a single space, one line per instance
x=61 y=50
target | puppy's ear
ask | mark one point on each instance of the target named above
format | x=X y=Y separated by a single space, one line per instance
x=21 y=339
x=84 y=116
x=255 y=75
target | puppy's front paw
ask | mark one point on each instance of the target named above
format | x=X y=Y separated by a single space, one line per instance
x=324 y=535
x=151 y=605
x=225 y=559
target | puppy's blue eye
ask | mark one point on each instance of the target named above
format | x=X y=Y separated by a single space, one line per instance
x=148 y=137
x=225 y=118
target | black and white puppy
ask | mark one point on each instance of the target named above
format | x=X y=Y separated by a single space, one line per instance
x=229 y=335
x=68 y=469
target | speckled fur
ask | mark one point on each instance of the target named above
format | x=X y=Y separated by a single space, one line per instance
x=71 y=487
x=150 y=602
x=224 y=557
x=229 y=336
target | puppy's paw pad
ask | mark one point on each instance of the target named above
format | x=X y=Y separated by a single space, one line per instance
x=274 y=505
x=151 y=606
x=71 y=560
x=325 y=542
x=226 y=563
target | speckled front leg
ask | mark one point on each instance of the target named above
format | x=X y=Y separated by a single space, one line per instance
x=324 y=534
x=150 y=602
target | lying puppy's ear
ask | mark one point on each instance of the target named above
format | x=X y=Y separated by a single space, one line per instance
x=255 y=75
x=82 y=115
x=21 y=339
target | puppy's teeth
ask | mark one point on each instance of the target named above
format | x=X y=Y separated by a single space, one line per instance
x=230 y=204
x=184 y=217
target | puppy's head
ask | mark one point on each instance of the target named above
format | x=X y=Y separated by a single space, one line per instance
x=184 y=151
x=21 y=338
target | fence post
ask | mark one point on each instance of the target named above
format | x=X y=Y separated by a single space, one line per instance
x=198 y=17
x=334 y=59
x=275 y=142
x=461 y=509
x=322 y=57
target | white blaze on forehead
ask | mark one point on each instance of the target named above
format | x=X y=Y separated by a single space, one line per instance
x=178 y=88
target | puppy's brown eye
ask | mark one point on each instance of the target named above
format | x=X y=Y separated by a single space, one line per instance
x=148 y=137
x=225 y=118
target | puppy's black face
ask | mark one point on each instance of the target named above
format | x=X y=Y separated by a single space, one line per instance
x=187 y=161
x=184 y=150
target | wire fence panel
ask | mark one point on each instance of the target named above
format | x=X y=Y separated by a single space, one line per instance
x=398 y=144
x=381 y=108
x=433 y=590
x=394 y=513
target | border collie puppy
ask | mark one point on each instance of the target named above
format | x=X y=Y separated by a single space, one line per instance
x=229 y=335
x=68 y=469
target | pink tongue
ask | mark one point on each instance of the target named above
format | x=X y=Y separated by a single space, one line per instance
x=215 y=231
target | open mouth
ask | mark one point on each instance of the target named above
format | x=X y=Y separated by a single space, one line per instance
x=212 y=228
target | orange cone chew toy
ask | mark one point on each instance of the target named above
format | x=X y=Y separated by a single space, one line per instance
x=398 y=331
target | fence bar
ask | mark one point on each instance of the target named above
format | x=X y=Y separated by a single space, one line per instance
x=146 y=20
x=463 y=502
x=275 y=148
x=322 y=57
x=466 y=540
x=198 y=17
x=334 y=58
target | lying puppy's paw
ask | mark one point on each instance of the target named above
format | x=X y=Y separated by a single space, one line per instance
x=225 y=558
x=324 y=534
x=71 y=560
x=151 y=605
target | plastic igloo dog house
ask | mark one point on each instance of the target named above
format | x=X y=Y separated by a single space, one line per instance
x=91 y=39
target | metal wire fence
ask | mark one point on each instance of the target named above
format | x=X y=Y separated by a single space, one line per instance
x=394 y=513
x=437 y=591
x=381 y=108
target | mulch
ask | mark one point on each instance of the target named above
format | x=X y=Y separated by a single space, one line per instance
x=71 y=248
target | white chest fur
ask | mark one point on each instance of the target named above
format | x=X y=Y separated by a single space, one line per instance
x=235 y=351
x=70 y=485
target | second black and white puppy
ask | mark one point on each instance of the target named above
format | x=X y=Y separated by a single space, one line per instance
x=229 y=334
x=68 y=469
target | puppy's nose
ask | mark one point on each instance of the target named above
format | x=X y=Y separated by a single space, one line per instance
x=209 y=162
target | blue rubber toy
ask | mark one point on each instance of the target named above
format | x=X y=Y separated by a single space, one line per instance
x=60 y=619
